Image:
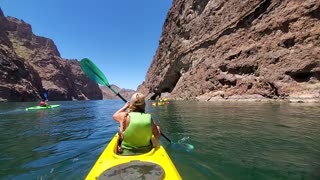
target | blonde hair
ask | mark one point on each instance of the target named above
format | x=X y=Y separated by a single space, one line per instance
x=137 y=99
x=134 y=108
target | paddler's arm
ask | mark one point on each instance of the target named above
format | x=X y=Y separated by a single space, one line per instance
x=155 y=130
x=121 y=113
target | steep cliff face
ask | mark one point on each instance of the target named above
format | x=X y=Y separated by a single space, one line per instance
x=78 y=85
x=218 y=49
x=18 y=81
x=30 y=63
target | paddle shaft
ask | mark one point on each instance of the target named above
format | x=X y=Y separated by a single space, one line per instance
x=45 y=95
x=117 y=93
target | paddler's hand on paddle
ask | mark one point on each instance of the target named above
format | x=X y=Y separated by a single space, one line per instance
x=121 y=113
x=127 y=104
x=125 y=107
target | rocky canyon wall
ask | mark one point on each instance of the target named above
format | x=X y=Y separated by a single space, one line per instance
x=29 y=64
x=228 y=49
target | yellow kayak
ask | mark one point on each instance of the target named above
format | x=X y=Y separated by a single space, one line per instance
x=160 y=103
x=156 y=164
x=157 y=103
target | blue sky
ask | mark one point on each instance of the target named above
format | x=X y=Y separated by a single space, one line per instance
x=120 y=37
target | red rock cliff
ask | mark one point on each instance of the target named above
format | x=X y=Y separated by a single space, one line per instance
x=30 y=63
x=218 y=49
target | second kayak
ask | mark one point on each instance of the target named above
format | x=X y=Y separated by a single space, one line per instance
x=157 y=103
x=156 y=164
x=43 y=107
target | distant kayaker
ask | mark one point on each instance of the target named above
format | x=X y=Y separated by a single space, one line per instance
x=157 y=97
x=136 y=127
x=161 y=100
x=44 y=102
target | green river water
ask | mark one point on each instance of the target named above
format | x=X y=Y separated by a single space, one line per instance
x=233 y=140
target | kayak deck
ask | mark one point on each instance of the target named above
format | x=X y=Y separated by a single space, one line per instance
x=42 y=107
x=157 y=161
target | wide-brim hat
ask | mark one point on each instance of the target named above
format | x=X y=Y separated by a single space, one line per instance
x=137 y=99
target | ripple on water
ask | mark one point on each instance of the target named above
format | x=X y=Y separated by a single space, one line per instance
x=231 y=140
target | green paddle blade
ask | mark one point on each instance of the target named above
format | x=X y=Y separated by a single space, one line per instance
x=182 y=146
x=93 y=72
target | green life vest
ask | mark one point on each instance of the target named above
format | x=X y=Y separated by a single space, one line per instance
x=137 y=136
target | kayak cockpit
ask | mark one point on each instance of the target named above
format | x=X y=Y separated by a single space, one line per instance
x=155 y=144
x=155 y=164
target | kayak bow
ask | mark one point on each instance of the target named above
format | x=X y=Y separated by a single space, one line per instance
x=156 y=164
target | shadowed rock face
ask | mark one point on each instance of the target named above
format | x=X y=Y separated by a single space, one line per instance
x=18 y=81
x=218 y=49
x=29 y=64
